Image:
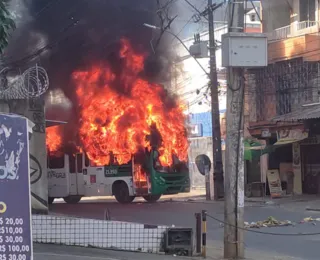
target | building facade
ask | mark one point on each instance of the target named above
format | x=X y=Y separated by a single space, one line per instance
x=284 y=97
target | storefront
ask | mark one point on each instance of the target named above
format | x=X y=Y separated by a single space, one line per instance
x=282 y=156
x=310 y=158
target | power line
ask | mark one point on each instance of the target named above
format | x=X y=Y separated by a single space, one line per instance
x=46 y=7
x=38 y=51
x=187 y=23
x=195 y=8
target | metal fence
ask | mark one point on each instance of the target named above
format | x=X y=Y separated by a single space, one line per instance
x=281 y=88
x=114 y=235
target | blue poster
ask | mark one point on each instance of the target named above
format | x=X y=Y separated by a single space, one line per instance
x=15 y=205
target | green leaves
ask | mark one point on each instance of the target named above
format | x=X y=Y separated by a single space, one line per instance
x=7 y=24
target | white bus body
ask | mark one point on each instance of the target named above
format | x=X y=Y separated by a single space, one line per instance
x=71 y=178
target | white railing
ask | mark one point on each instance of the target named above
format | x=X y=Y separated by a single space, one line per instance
x=306 y=24
x=293 y=30
x=280 y=33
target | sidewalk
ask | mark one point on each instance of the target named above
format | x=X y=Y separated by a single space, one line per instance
x=216 y=253
x=56 y=252
x=297 y=202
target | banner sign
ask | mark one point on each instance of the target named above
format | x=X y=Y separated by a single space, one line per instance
x=274 y=183
x=15 y=204
x=290 y=136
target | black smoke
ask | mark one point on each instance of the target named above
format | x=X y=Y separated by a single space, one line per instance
x=65 y=35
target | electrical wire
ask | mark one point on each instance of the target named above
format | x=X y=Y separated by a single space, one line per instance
x=46 y=7
x=38 y=51
x=186 y=24
x=265 y=233
x=183 y=27
x=195 y=9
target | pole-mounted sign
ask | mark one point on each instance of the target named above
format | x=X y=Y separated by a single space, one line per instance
x=15 y=201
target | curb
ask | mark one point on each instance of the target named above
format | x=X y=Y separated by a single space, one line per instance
x=313 y=209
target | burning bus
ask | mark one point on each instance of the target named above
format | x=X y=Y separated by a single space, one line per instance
x=128 y=136
x=72 y=177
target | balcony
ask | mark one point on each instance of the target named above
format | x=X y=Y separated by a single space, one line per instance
x=294 y=30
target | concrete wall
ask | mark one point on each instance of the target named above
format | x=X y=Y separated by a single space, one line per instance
x=275 y=14
x=33 y=109
x=202 y=145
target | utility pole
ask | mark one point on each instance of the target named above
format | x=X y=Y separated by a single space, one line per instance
x=218 y=179
x=234 y=177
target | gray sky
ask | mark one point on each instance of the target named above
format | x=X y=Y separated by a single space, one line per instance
x=186 y=28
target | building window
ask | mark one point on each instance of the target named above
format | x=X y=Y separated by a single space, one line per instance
x=253 y=18
x=307 y=10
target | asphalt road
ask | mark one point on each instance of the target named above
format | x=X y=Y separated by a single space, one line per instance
x=182 y=214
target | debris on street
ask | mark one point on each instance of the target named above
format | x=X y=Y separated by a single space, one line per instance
x=310 y=219
x=272 y=222
x=269 y=222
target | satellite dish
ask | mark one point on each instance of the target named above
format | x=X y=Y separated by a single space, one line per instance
x=203 y=162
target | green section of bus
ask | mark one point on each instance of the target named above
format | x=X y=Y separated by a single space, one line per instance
x=118 y=170
x=164 y=180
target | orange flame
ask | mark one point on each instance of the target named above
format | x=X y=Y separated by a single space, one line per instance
x=53 y=139
x=117 y=119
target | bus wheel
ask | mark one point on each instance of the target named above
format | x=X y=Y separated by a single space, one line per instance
x=50 y=200
x=152 y=198
x=72 y=199
x=121 y=193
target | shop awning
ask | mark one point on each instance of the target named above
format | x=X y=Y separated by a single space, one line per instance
x=288 y=141
x=253 y=150
x=290 y=136
x=303 y=113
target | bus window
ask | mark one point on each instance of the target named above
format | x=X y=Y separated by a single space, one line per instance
x=157 y=163
x=93 y=164
x=86 y=161
x=79 y=162
x=72 y=163
x=156 y=160
x=56 y=162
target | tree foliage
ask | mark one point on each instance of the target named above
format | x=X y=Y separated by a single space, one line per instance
x=7 y=24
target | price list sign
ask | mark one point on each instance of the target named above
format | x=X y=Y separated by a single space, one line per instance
x=15 y=205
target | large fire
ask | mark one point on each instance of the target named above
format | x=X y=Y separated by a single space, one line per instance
x=120 y=110
x=54 y=138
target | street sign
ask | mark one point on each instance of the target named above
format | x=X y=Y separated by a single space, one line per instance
x=196 y=130
x=15 y=201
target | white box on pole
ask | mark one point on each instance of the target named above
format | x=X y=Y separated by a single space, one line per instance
x=244 y=50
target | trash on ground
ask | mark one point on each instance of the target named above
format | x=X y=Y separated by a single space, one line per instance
x=269 y=222
x=310 y=219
